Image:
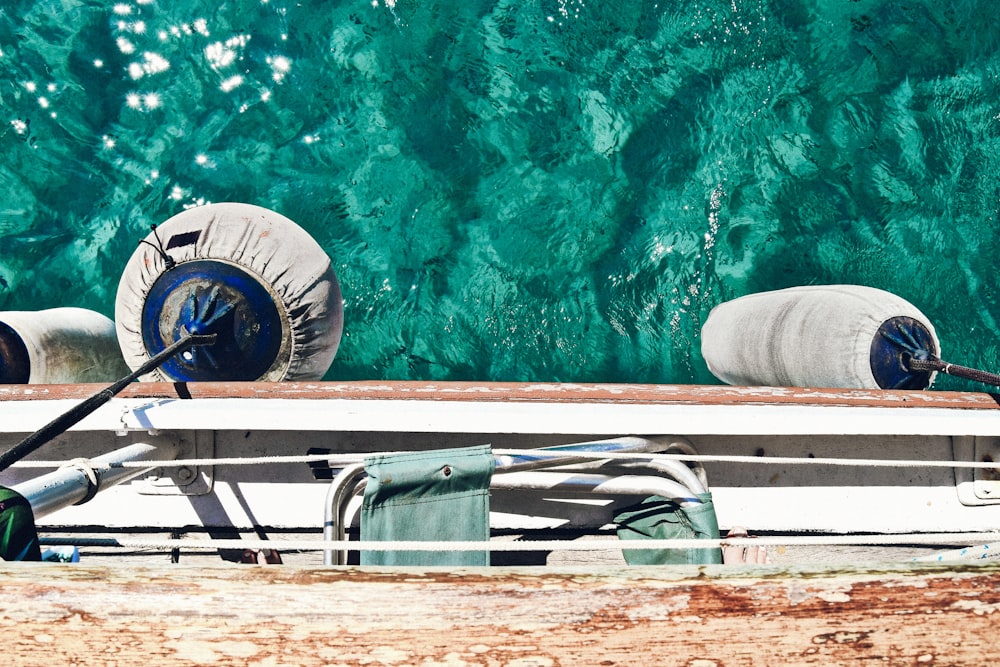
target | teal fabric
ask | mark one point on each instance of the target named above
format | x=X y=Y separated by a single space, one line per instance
x=661 y=519
x=437 y=496
x=18 y=537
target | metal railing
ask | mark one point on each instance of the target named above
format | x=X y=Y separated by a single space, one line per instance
x=560 y=468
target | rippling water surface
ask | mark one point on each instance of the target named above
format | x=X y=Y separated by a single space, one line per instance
x=531 y=190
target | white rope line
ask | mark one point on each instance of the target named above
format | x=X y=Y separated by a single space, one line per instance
x=333 y=459
x=908 y=539
x=346 y=458
x=825 y=461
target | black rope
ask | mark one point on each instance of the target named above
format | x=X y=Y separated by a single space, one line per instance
x=935 y=364
x=75 y=414
x=167 y=259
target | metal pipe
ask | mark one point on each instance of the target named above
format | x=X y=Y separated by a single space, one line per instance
x=342 y=488
x=684 y=446
x=79 y=481
x=561 y=455
x=633 y=485
x=547 y=457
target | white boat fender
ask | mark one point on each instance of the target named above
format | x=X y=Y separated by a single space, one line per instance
x=243 y=272
x=58 y=346
x=846 y=336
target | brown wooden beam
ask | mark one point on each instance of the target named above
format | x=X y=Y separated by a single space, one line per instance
x=528 y=392
x=718 y=615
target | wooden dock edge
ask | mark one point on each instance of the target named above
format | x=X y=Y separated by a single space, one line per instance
x=697 y=616
x=528 y=392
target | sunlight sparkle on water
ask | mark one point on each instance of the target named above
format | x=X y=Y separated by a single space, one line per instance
x=152 y=63
x=280 y=67
x=232 y=83
x=125 y=46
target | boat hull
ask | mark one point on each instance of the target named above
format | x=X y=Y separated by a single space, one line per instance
x=258 y=420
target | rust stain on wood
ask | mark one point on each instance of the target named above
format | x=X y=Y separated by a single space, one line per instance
x=312 y=616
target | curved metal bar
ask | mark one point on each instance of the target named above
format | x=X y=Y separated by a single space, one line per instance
x=676 y=470
x=561 y=456
x=342 y=488
x=547 y=457
x=683 y=446
x=634 y=485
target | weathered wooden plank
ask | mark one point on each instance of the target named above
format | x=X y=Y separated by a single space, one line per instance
x=172 y=615
x=527 y=392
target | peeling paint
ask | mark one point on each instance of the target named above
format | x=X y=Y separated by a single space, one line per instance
x=173 y=615
x=976 y=606
x=834 y=596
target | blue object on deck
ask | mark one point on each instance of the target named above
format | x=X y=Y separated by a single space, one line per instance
x=63 y=554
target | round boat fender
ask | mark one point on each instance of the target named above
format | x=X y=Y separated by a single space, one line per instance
x=844 y=336
x=243 y=272
x=57 y=346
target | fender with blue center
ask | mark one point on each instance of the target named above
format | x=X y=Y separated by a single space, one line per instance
x=245 y=273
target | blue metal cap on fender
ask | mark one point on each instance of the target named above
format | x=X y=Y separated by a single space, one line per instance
x=249 y=275
x=211 y=296
x=900 y=339
x=15 y=365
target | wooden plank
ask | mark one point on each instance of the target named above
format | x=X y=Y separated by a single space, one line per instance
x=524 y=392
x=174 y=615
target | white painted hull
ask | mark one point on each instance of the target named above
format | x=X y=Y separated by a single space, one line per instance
x=259 y=419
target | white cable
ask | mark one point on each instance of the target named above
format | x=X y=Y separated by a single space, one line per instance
x=343 y=459
x=333 y=459
x=914 y=539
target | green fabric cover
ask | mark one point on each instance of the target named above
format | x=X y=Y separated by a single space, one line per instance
x=440 y=495
x=661 y=519
x=18 y=537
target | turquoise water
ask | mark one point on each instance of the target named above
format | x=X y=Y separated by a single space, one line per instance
x=526 y=191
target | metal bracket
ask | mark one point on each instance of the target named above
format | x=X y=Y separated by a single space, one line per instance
x=193 y=480
x=977 y=486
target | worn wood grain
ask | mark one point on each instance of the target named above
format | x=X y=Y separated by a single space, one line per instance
x=172 y=615
x=526 y=392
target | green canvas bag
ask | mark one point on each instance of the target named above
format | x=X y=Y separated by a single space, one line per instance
x=438 y=495
x=18 y=536
x=661 y=519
